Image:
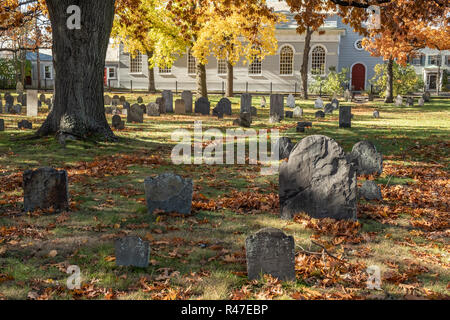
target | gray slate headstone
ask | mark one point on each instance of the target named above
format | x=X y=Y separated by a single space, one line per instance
x=366 y=158
x=318 y=180
x=289 y=114
x=244 y=120
x=270 y=251
x=246 y=102
x=45 y=188
x=370 y=191
x=345 y=117
x=202 y=106
x=135 y=114
x=320 y=114
x=140 y=100
x=152 y=109
x=168 y=100
x=117 y=122
x=161 y=105
x=276 y=108
x=318 y=104
x=132 y=251
x=285 y=147
x=225 y=104
x=187 y=97
x=328 y=108
x=410 y=102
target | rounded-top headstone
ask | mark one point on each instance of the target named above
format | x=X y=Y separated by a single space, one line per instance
x=366 y=158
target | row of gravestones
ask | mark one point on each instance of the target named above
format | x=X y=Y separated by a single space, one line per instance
x=30 y=100
x=426 y=97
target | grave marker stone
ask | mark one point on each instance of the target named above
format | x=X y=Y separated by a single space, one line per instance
x=318 y=104
x=187 y=97
x=2 y=125
x=152 y=109
x=290 y=101
x=202 y=105
x=345 y=117
x=276 y=108
x=25 y=124
x=117 y=122
x=135 y=114
x=180 y=106
x=132 y=251
x=246 y=102
x=32 y=103
x=298 y=112
x=168 y=100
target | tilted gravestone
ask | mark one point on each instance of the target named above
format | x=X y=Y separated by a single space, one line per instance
x=2 y=125
x=285 y=147
x=135 y=114
x=246 y=102
x=318 y=104
x=169 y=192
x=202 y=105
x=276 y=108
x=45 y=188
x=161 y=105
x=32 y=103
x=290 y=101
x=117 y=122
x=244 y=120
x=370 y=191
x=345 y=117
x=9 y=100
x=168 y=100
x=152 y=109
x=318 y=180
x=366 y=158
x=107 y=99
x=180 y=106
x=270 y=251
x=328 y=108
x=187 y=97
x=298 y=112
x=132 y=251
x=25 y=124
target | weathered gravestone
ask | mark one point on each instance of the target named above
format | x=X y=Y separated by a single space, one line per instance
x=421 y=102
x=169 y=192
x=187 y=97
x=32 y=103
x=371 y=97
x=318 y=104
x=320 y=114
x=270 y=251
x=366 y=158
x=42 y=98
x=135 y=114
x=107 y=100
x=143 y=108
x=116 y=97
x=1 y=104
x=132 y=251
x=152 y=109
x=122 y=99
x=370 y=191
x=302 y=125
x=289 y=114
x=25 y=124
x=224 y=106
x=2 y=125
x=426 y=96
x=345 y=117
x=335 y=104
x=285 y=147
x=180 y=107
x=168 y=100
x=16 y=109
x=115 y=101
x=117 y=122
x=290 y=101
x=263 y=102
x=318 y=180
x=399 y=101
x=246 y=102
x=276 y=108
x=298 y=112
x=202 y=106
x=140 y=100
x=410 y=102
x=161 y=105
x=253 y=111
x=244 y=120
x=45 y=188
x=376 y=114
x=328 y=108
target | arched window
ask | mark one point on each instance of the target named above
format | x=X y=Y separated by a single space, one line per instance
x=192 y=64
x=136 y=63
x=286 y=60
x=318 y=61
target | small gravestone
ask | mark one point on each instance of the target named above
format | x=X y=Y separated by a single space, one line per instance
x=421 y=102
x=45 y=188
x=276 y=108
x=180 y=106
x=246 y=102
x=366 y=158
x=318 y=104
x=42 y=98
x=2 y=125
x=135 y=114
x=347 y=95
x=399 y=101
x=320 y=114
x=317 y=180
x=32 y=103
x=426 y=96
x=298 y=112
x=169 y=192
x=263 y=102
x=376 y=114
x=168 y=100
x=303 y=124
x=328 y=109
x=335 y=104
x=25 y=124
x=270 y=251
x=122 y=99
x=132 y=251
x=285 y=147
x=289 y=114
x=152 y=109
x=253 y=111
x=244 y=120
x=290 y=101
x=161 y=105
x=187 y=97
x=345 y=117
x=202 y=106
x=140 y=100
x=107 y=100
x=370 y=191
x=410 y=102
x=117 y=122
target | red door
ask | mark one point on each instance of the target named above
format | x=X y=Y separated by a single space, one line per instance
x=358 y=77
x=105 y=77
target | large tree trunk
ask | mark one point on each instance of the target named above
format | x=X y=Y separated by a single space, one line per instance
x=230 y=79
x=79 y=60
x=390 y=82
x=202 y=90
x=305 y=63
x=151 y=76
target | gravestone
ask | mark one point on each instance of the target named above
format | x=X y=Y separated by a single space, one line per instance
x=289 y=114
x=139 y=100
x=135 y=114
x=42 y=98
x=253 y=111
x=263 y=102
x=370 y=191
x=117 y=122
x=152 y=109
x=116 y=97
x=328 y=109
x=187 y=97
x=285 y=147
x=317 y=180
x=376 y=114
x=276 y=108
x=202 y=106
x=180 y=106
x=32 y=103
x=335 y=104
x=161 y=105
x=45 y=188
x=107 y=100
x=168 y=100
x=410 y=102
x=25 y=124
x=16 y=109
x=298 y=112
x=132 y=251
x=318 y=104
x=320 y=114
x=290 y=101
x=366 y=158
x=347 y=95
x=244 y=120
x=169 y=192
x=122 y=99
x=345 y=117
x=9 y=100
x=224 y=105
x=426 y=96
x=246 y=102
x=302 y=125
x=270 y=251
x=115 y=101
x=399 y=101
x=371 y=97
x=2 y=125
x=143 y=108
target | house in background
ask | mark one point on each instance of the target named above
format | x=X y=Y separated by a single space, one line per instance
x=46 y=73
x=429 y=63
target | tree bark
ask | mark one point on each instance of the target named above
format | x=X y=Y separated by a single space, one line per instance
x=79 y=61
x=305 y=63
x=202 y=89
x=230 y=80
x=390 y=82
x=151 y=76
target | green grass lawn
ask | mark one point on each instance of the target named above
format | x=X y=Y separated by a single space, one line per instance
x=203 y=256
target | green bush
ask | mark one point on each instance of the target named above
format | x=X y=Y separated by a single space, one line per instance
x=333 y=83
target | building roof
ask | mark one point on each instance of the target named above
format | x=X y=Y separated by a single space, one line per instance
x=32 y=56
